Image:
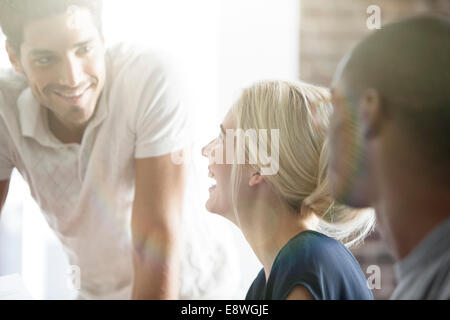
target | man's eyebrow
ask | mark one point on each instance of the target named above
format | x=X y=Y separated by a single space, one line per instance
x=42 y=52
x=222 y=129
x=83 y=43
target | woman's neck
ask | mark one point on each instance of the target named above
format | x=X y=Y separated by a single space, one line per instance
x=270 y=230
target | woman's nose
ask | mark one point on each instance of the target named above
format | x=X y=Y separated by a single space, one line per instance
x=207 y=149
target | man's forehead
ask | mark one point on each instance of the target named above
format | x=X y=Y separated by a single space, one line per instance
x=64 y=29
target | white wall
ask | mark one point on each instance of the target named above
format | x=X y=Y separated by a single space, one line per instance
x=257 y=40
x=220 y=46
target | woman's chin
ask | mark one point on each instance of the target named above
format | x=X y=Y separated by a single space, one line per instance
x=214 y=209
x=210 y=203
x=211 y=207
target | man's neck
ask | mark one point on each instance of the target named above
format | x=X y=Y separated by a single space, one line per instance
x=65 y=132
x=411 y=194
x=408 y=212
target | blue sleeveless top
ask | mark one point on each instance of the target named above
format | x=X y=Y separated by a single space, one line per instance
x=321 y=264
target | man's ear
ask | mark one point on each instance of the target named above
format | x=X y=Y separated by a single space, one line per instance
x=370 y=112
x=14 y=58
x=255 y=179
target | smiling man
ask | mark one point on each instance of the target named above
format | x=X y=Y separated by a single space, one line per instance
x=92 y=131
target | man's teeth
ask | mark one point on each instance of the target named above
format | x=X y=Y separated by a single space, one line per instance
x=72 y=95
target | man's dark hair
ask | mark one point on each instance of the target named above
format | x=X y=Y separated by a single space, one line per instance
x=408 y=63
x=14 y=14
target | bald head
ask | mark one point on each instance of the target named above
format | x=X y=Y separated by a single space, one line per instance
x=408 y=63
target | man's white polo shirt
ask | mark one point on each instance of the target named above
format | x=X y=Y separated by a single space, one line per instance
x=86 y=190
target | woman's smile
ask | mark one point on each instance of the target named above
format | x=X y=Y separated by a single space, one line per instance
x=211 y=175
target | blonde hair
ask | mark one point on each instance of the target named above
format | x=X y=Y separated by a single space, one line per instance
x=301 y=113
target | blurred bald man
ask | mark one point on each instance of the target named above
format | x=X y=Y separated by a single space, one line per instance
x=390 y=146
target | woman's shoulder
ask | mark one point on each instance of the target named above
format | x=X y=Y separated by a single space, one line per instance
x=313 y=246
x=313 y=251
x=317 y=261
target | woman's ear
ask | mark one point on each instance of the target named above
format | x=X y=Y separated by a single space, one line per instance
x=255 y=179
x=14 y=58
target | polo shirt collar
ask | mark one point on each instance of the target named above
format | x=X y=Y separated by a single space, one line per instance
x=33 y=120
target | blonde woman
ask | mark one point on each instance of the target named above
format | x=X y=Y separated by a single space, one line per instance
x=270 y=167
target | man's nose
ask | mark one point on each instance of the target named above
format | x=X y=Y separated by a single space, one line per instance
x=71 y=73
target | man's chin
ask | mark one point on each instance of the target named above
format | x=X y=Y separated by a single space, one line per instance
x=75 y=116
